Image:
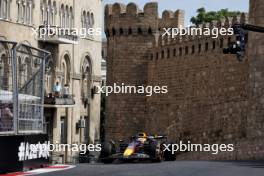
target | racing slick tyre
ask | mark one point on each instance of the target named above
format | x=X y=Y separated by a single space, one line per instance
x=168 y=156
x=108 y=149
x=156 y=151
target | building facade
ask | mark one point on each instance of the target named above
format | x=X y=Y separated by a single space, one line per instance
x=73 y=114
x=104 y=57
x=212 y=97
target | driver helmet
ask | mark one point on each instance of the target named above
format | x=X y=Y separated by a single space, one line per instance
x=142 y=137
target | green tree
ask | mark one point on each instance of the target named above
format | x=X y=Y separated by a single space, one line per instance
x=204 y=17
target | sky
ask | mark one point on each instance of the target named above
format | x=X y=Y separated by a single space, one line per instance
x=190 y=6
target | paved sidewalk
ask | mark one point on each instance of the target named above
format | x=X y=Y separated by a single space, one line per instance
x=48 y=169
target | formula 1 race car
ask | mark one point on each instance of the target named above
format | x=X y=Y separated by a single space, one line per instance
x=141 y=147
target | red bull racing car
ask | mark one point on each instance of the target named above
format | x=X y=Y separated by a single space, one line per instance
x=141 y=147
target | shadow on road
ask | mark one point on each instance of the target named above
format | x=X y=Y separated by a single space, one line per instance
x=252 y=164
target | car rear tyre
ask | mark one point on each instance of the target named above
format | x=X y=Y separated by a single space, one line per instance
x=156 y=151
x=108 y=149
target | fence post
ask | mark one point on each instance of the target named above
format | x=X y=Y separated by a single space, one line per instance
x=15 y=89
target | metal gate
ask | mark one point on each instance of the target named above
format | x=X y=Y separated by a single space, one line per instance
x=22 y=70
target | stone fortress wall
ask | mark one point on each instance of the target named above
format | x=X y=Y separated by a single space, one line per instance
x=209 y=97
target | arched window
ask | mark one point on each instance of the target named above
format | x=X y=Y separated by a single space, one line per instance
x=19 y=11
x=71 y=18
x=24 y=11
x=67 y=16
x=139 y=31
x=186 y=50
x=180 y=51
x=174 y=52
x=168 y=53
x=86 y=78
x=5 y=69
x=206 y=46
x=4 y=72
x=30 y=12
x=1 y=6
x=84 y=19
x=150 y=31
x=121 y=32
x=49 y=70
x=193 y=49
x=88 y=20
x=65 y=68
x=199 y=48
x=113 y=32
x=162 y=54
x=53 y=13
x=92 y=19
x=49 y=13
x=62 y=16
x=8 y=9
x=5 y=9
x=43 y=11
x=129 y=31
x=25 y=69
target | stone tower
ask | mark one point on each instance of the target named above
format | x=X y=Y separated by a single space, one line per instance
x=256 y=71
x=130 y=35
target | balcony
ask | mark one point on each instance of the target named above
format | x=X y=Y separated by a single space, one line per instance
x=63 y=101
x=57 y=35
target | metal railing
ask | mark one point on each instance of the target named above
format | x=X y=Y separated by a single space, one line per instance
x=21 y=88
x=57 y=34
x=62 y=99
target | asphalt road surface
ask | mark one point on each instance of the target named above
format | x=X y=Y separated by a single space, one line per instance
x=177 y=168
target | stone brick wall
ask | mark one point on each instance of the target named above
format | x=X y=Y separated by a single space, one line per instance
x=127 y=63
x=256 y=72
x=245 y=149
x=212 y=97
x=207 y=93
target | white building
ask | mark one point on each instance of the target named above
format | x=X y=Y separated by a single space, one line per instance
x=75 y=62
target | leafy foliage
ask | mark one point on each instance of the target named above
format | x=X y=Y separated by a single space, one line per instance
x=203 y=16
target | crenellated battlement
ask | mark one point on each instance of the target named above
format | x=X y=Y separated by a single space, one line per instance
x=126 y=20
x=130 y=17
x=167 y=46
x=172 y=19
x=121 y=19
x=121 y=10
